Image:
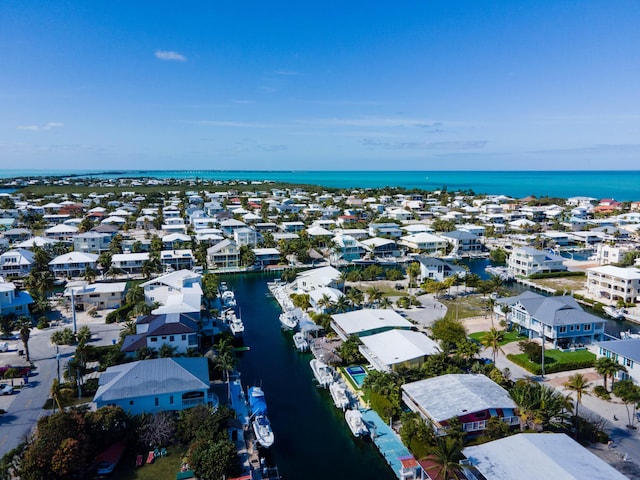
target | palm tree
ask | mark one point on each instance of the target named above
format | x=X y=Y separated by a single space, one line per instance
x=492 y=339
x=577 y=383
x=166 y=350
x=385 y=302
x=374 y=294
x=505 y=309
x=342 y=305
x=355 y=296
x=325 y=302
x=413 y=271
x=60 y=394
x=135 y=295
x=446 y=455
x=608 y=367
x=24 y=329
x=226 y=362
x=128 y=329
x=491 y=302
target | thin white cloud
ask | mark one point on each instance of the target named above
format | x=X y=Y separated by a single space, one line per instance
x=41 y=128
x=227 y=123
x=170 y=56
x=451 y=145
x=373 y=122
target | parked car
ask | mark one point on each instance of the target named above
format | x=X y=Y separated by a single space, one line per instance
x=4 y=346
x=6 y=390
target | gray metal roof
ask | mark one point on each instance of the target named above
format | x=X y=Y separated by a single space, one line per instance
x=532 y=456
x=455 y=395
x=625 y=348
x=153 y=377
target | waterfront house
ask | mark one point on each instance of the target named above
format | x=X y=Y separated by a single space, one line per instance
x=73 y=264
x=316 y=298
x=317 y=278
x=32 y=242
x=610 y=284
x=175 y=241
x=182 y=282
x=246 y=236
x=346 y=249
x=129 y=262
x=96 y=295
x=91 y=242
x=464 y=243
x=382 y=247
x=625 y=352
x=436 y=269
x=178 y=330
x=224 y=255
x=266 y=256
x=16 y=263
x=160 y=384
x=561 y=320
x=532 y=456
x=12 y=300
x=525 y=261
x=368 y=321
x=390 y=350
x=606 y=253
x=424 y=243
x=472 y=399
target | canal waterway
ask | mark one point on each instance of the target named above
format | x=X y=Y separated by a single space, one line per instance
x=312 y=439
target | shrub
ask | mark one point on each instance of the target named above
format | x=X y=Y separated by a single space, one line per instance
x=556 y=367
x=556 y=274
x=43 y=322
x=601 y=392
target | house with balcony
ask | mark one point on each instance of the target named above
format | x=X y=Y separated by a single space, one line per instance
x=178 y=330
x=130 y=263
x=318 y=278
x=174 y=289
x=609 y=284
x=246 y=236
x=432 y=268
x=464 y=243
x=266 y=256
x=100 y=296
x=382 y=247
x=16 y=263
x=73 y=264
x=12 y=300
x=346 y=249
x=62 y=233
x=91 y=242
x=525 y=261
x=560 y=320
x=160 y=384
x=471 y=398
x=424 y=242
x=625 y=352
x=368 y=321
x=224 y=255
x=177 y=259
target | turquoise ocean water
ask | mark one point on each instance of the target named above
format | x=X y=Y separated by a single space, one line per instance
x=621 y=185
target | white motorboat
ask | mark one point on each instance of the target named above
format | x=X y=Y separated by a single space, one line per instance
x=628 y=335
x=235 y=322
x=300 y=342
x=339 y=394
x=260 y=423
x=290 y=318
x=228 y=299
x=322 y=372
x=613 y=312
x=356 y=423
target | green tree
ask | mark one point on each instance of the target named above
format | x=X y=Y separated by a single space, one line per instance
x=413 y=272
x=629 y=393
x=446 y=455
x=492 y=339
x=349 y=351
x=374 y=295
x=213 y=459
x=608 y=367
x=449 y=332
x=577 y=384
x=24 y=327
x=210 y=285
x=166 y=350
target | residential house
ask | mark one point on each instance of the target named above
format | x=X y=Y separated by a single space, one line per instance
x=436 y=269
x=368 y=321
x=532 y=456
x=382 y=247
x=16 y=263
x=129 y=262
x=178 y=330
x=625 y=352
x=346 y=249
x=266 y=256
x=471 y=398
x=397 y=348
x=100 y=296
x=317 y=278
x=177 y=259
x=610 y=284
x=246 y=236
x=17 y=234
x=62 y=233
x=424 y=243
x=73 y=264
x=151 y=386
x=91 y=242
x=224 y=255
x=12 y=300
x=559 y=320
x=606 y=254
x=175 y=288
x=175 y=241
x=526 y=261
x=464 y=243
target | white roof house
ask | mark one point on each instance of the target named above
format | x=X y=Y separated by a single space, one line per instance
x=388 y=350
x=318 y=278
x=367 y=322
x=73 y=264
x=181 y=282
x=531 y=456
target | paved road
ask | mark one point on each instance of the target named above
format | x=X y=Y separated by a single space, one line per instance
x=24 y=407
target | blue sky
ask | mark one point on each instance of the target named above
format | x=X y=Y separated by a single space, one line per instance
x=430 y=85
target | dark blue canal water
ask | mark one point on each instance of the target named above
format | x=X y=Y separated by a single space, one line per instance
x=313 y=441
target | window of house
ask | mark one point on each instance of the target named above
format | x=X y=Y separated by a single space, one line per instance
x=130 y=402
x=184 y=337
x=171 y=399
x=572 y=328
x=562 y=329
x=587 y=327
x=157 y=401
x=628 y=362
x=171 y=338
x=154 y=339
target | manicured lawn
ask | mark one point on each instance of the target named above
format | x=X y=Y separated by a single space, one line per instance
x=569 y=357
x=556 y=361
x=511 y=336
x=161 y=468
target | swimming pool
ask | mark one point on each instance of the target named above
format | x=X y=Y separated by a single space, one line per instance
x=357 y=374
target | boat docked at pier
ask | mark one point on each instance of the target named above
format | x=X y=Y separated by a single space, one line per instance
x=234 y=322
x=322 y=372
x=227 y=297
x=613 y=312
x=290 y=318
x=356 y=423
x=339 y=394
x=300 y=342
x=259 y=420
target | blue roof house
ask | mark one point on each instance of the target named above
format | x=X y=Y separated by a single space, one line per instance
x=151 y=386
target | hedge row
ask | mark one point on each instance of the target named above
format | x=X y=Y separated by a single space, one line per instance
x=551 y=368
x=556 y=274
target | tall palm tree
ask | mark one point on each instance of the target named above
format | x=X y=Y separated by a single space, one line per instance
x=413 y=271
x=166 y=350
x=446 y=455
x=226 y=362
x=608 y=367
x=374 y=294
x=492 y=339
x=135 y=295
x=385 y=302
x=578 y=384
x=60 y=394
x=325 y=302
x=355 y=296
x=24 y=329
x=342 y=305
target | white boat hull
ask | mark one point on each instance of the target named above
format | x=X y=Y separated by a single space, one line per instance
x=300 y=342
x=356 y=423
x=339 y=394
x=322 y=372
x=262 y=430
